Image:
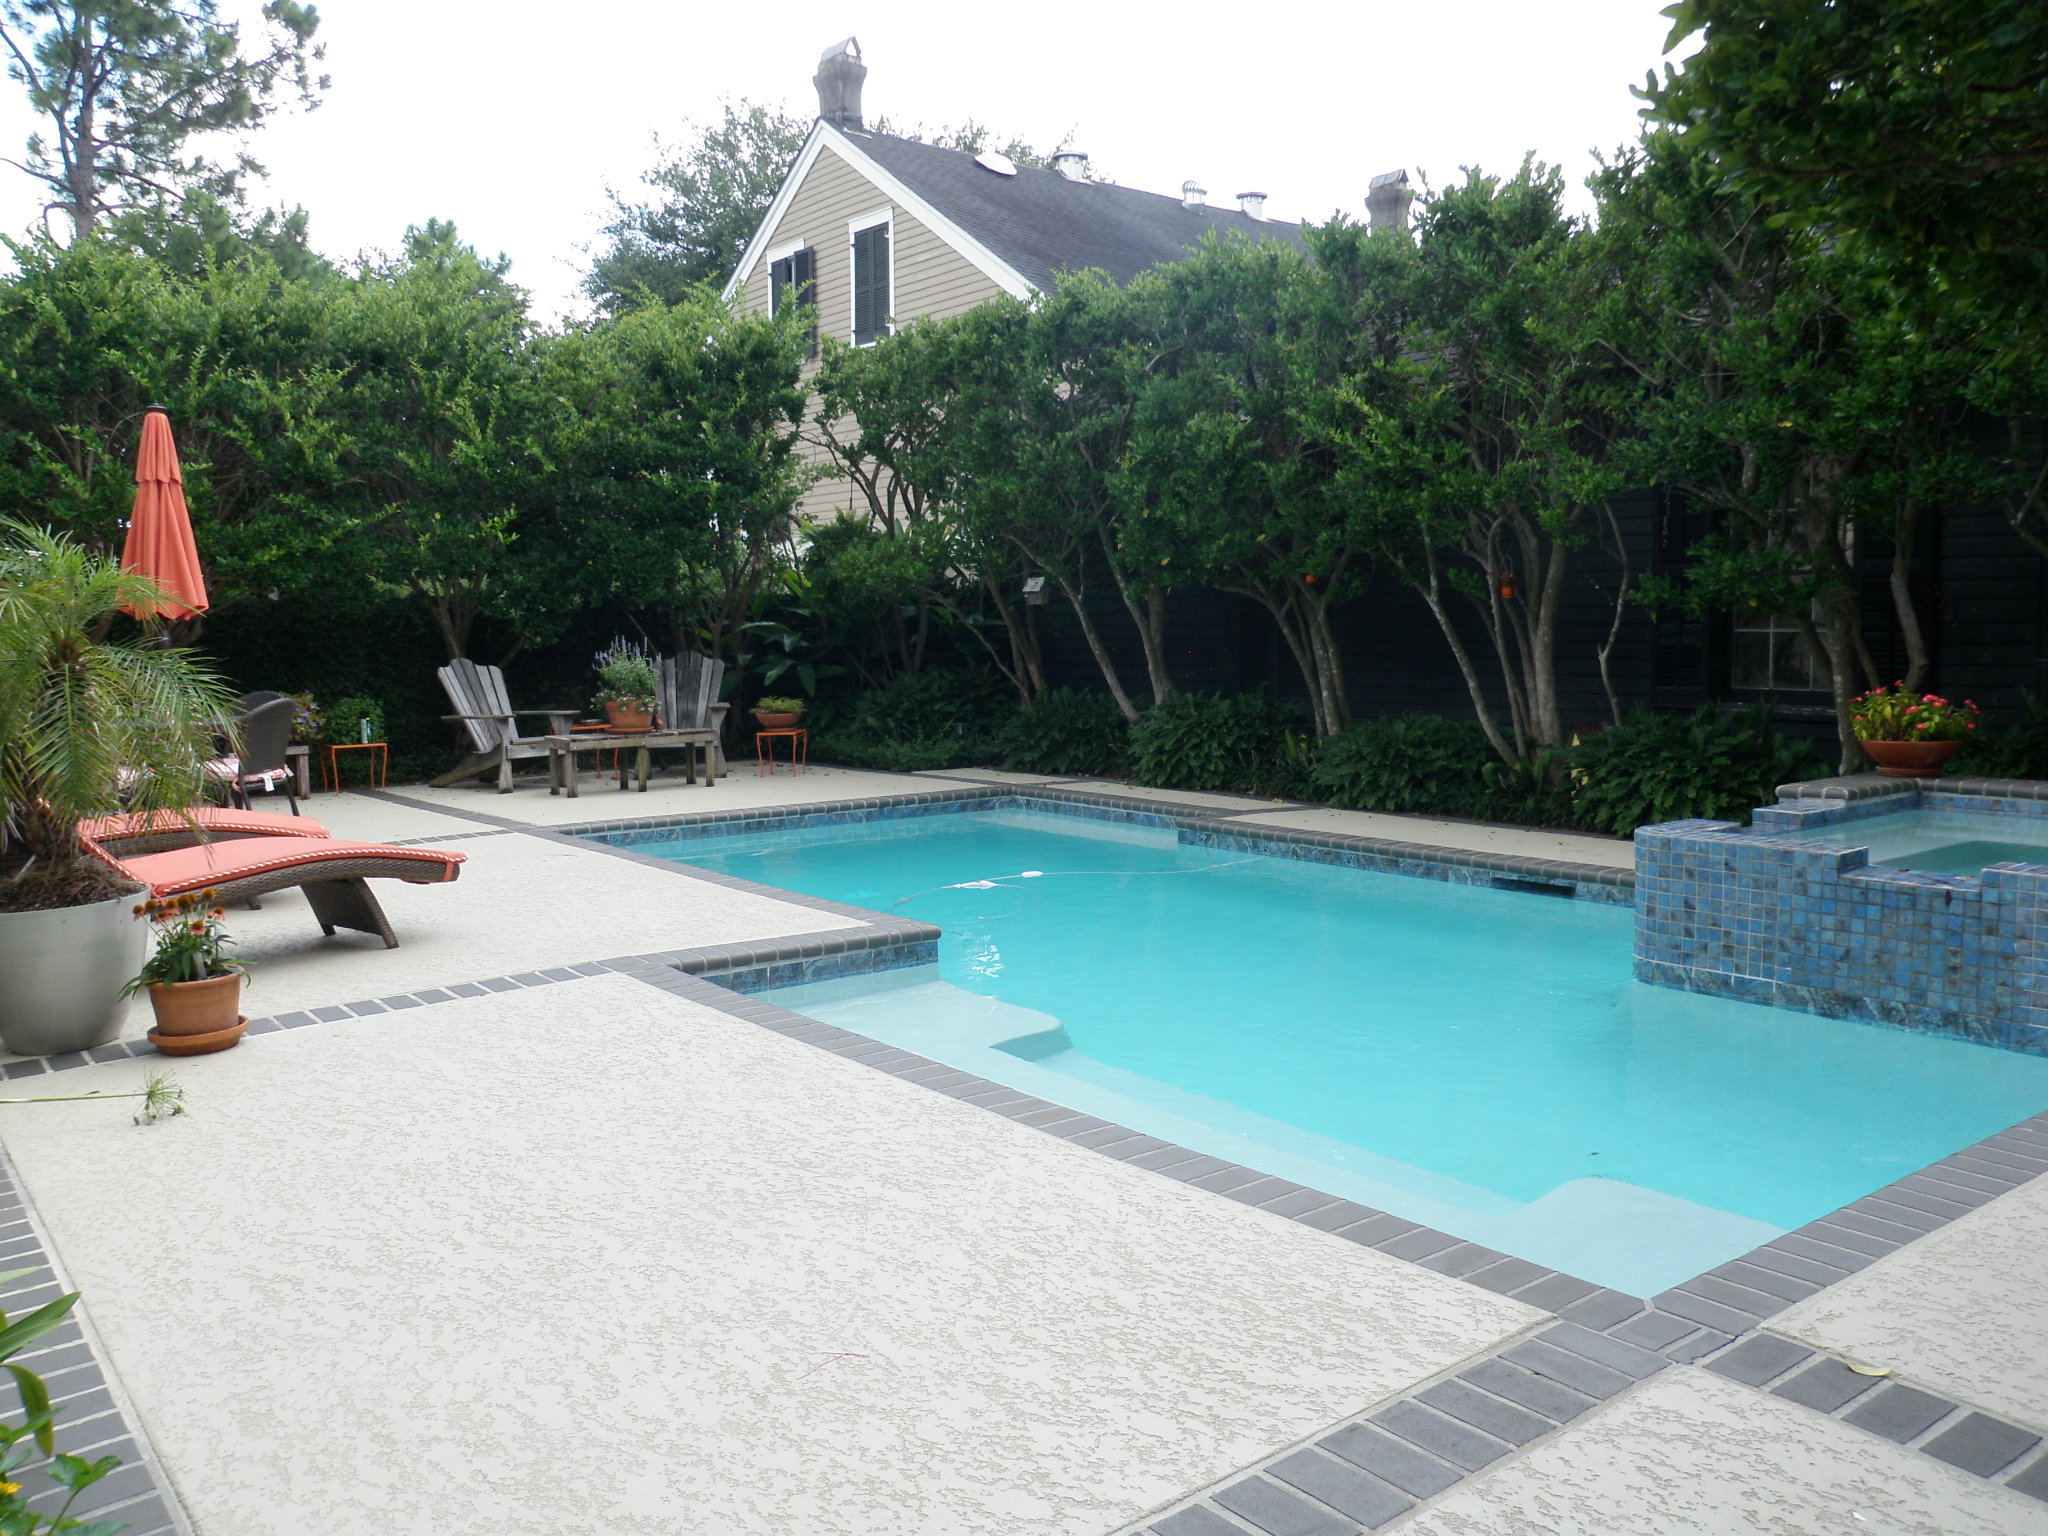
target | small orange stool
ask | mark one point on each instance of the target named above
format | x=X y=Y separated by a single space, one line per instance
x=799 y=743
x=379 y=761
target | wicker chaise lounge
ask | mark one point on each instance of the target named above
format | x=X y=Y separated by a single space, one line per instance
x=250 y=853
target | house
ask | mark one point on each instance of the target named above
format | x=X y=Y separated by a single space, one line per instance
x=876 y=230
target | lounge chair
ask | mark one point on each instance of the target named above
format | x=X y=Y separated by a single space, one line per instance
x=240 y=854
x=481 y=704
x=687 y=686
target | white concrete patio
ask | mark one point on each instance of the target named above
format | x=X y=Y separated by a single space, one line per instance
x=594 y=1256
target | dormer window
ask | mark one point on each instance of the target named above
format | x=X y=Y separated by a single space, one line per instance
x=873 y=276
x=792 y=283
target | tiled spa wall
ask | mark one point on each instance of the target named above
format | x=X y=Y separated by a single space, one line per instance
x=1762 y=914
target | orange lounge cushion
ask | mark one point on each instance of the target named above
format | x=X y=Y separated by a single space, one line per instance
x=208 y=818
x=194 y=869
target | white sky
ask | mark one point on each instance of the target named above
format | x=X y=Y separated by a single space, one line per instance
x=511 y=117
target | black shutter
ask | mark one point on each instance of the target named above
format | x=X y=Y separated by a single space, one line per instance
x=780 y=277
x=803 y=274
x=870 y=284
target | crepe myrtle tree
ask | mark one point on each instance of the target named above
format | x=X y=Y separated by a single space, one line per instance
x=1227 y=479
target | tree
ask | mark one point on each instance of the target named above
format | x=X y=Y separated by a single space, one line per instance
x=1228 y=478
x=126 y=85
x=1913 y=128
x=1481 y=433
x=711 y=195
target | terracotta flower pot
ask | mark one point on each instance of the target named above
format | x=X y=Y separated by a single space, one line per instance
x=196 y=1007
x=629 y=717
x=1911 y=759
x=198 y=1045
x=776 y=719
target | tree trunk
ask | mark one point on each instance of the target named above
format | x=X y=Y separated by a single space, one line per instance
x=1432 y=594
x=1905 y=534
x=1077 y=596
x=1150 y=620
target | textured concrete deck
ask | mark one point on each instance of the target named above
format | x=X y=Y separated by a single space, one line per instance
x=1688 y=1452
x=1474 y=837
x=758 y=1288
x=1963 y=1309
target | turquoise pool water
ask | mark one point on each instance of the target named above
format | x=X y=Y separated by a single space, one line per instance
x=1943 y=842
x=1479 y=1060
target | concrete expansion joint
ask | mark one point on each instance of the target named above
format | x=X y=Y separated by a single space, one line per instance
x=1882 y=1403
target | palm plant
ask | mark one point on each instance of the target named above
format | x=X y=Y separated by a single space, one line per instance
x=87 y=723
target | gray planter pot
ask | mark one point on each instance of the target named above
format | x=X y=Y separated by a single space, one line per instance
x=61 y=974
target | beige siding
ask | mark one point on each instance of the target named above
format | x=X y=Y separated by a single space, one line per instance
x=930 y=278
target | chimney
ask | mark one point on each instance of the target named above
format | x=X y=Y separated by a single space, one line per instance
x=1253 y=204
x=1387 y=200
x=839 y=77
x=1071 y=163
x=1193 y=195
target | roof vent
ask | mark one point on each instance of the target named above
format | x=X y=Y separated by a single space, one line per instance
x=1071 y=163
x=1193 y=195
x=1001 y=164
x=839 y=77
x=1253 y=204
x=1387 y=200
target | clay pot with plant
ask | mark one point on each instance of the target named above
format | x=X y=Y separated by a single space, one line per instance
x=626 y=687
x=777 y=714
x=89 y=726
x=194 y=985
x=1911 y=735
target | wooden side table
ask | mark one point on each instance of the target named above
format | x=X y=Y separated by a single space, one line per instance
x=799 y=742
x=379 y=761
x=298 y=757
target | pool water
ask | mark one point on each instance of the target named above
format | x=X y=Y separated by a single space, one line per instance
x=1479 y=1060
x=1943 y=842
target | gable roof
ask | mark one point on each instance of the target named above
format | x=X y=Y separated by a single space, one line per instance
x=1021 y=230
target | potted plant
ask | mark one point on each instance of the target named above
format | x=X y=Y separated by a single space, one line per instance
x=626 y=687
x=306 y=716
x=194 y=985
x=777 y=714
x=1911 y=735
x=87 y=726
x=354 y=720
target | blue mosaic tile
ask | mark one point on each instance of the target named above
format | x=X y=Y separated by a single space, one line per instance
x=1766 y=915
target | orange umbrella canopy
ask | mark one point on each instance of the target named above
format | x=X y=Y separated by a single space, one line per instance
x=160 y=544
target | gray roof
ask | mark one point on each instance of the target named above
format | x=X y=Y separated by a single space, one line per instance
x=1041 y=223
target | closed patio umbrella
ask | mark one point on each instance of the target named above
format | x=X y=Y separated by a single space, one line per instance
x=160 y=544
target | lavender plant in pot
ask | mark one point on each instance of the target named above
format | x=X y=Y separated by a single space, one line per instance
x=626 y=687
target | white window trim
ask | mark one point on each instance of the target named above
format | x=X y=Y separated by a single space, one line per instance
x=772 y=256
x=885 y=217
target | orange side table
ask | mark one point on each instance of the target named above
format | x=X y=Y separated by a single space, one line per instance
x=799 y=743
x=379 y=761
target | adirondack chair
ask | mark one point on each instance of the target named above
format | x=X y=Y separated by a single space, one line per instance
x=486 y=712
x=686 y=699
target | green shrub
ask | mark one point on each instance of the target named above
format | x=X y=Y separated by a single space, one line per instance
x=2010 y=748
x=1063 y=731
x=943 y=718
x=343 y=719
x=1202 y=741
x=1413 y=764
x=1714 y=763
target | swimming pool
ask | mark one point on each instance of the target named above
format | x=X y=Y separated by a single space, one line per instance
x=1478 y=1060
x=1942 y=842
